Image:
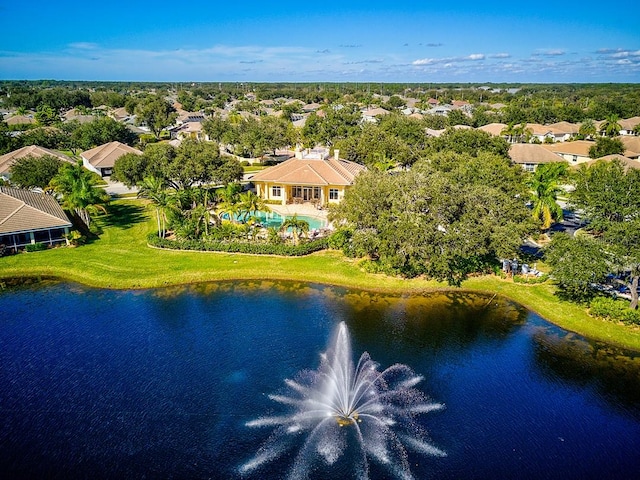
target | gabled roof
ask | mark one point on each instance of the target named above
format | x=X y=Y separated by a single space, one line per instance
x=532 y=153
x=374 y=112
x=566 y=128
x=20 y=120
x=629 y=123
x=631 y=143
x=494 y=129
x=24 y=211
x=305 y=171
x=105 y=156
x=31 y=150
x=578 y=147
x=626 y=162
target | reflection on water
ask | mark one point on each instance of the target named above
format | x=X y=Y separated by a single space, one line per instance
x=160 y=383
x=569 y=358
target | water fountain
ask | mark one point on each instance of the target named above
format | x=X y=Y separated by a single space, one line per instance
x=342 y=407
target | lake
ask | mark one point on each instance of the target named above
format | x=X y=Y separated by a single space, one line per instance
x=160 y=383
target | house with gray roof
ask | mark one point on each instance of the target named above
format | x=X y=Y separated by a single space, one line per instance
x=28 y=217
x=102 y=159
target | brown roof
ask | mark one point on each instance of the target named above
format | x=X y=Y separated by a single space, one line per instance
x=374 y=112
x=105 y=156
x=7 y=159
x=20 y=120
x=627 y=162
x=631 y=143
x=578 y=147
x=532 y=153
x=565 y=127
x=306 y=171
x=493 y=128
x=24 y=211
x=629 y=123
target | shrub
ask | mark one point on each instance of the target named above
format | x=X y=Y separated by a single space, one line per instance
x=236 y=246
x=35 y=247
x=617 y=310
x=530 y=280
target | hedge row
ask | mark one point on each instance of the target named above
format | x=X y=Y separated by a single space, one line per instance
x=240 y=247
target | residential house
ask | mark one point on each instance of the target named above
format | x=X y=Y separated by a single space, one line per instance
x=20 y=120
x=7 y=159
x=530 y=155
x=627 y=125
x=575 y=152
x=311 y=176
x=441 y=110
x=625 y=161
x=564 y=131
x=371 y=115
x=631 y=145
x=311 y=107
x=102 y=159
x=494 y=129
x=28 y=217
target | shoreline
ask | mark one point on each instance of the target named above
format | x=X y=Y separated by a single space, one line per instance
x=593 y=329
x=121 y=260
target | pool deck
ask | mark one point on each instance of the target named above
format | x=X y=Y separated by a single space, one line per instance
x=305 y=209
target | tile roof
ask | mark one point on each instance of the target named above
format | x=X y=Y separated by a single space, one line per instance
x=532 y=153
x=578 y=147
x=23 y=211
x=105 y=156
x=629 y=123
x=31 y=150
x=494 y=129
x=631 y=143
x=626 y=162
x=305 y=171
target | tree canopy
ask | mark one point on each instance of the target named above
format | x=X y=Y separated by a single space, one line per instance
x=182 y=167
x=30 y=171
x=445 y=218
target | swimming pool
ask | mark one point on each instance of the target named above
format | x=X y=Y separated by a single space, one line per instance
x=273 y=219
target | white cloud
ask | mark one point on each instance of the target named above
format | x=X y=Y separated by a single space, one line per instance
x=476 y=56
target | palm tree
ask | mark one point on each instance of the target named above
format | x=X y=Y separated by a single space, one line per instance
x=155 y=190
x=509 y=131
x=228 y=198
x=587 y=128
x=297 y=226
x=80 y=191
x=611 y=126
x=545 y=187
x=383 y=163
x=250 y=203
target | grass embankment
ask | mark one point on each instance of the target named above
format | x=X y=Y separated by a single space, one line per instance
x=121 y=259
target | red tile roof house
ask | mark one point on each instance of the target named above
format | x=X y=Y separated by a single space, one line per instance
x=309 y=177
x=102 y=159
x=28 y=217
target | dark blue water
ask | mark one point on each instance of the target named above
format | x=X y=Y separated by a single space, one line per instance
x=158 y=384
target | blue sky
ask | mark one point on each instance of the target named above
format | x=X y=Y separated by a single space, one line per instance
x=349 y=41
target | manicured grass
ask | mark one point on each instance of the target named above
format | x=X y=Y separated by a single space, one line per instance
x=121 y=259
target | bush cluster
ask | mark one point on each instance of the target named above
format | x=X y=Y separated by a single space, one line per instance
x=530 y=280
x=239 y=246
x=617 y=310
x=35 y=247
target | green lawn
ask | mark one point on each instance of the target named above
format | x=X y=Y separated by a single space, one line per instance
x=121 y=259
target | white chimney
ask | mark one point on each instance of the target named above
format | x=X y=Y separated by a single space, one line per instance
x=336 y=154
